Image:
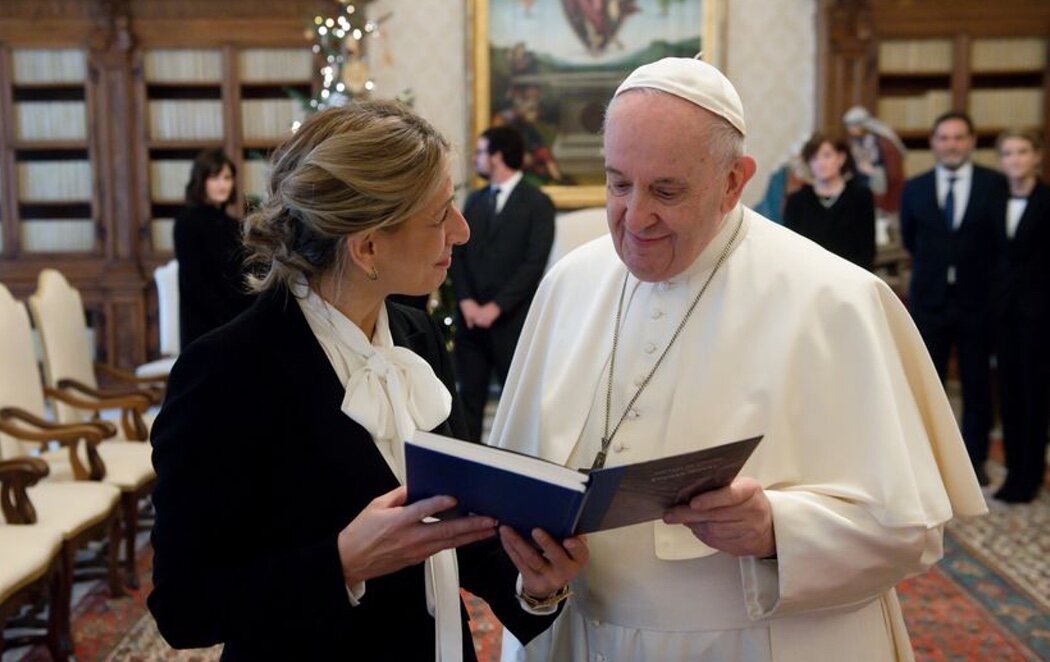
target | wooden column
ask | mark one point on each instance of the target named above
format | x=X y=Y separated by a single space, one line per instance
x=113 y=120
x=9 y=179
x=847 y=59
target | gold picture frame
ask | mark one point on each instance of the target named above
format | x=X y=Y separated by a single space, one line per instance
x=712 y=15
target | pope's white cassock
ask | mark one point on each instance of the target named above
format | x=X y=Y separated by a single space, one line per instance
x=862 y=459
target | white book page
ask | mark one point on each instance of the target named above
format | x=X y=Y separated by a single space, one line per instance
x=548 y=472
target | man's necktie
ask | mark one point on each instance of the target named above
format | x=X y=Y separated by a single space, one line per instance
x=493 y=196
x=949 y=204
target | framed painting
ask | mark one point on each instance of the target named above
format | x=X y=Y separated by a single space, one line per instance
x=549 y=67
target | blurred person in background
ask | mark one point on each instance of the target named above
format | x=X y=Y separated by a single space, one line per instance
x=835 y=210
x=209 y=249
x=1022 y=310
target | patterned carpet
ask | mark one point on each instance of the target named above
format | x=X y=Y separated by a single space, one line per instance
x=988 y=599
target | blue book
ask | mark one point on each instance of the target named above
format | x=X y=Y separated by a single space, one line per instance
x=525 y=492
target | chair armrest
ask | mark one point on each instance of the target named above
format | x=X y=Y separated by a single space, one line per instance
x=157 y=382
x=97 y=400
x=20 y=414
x=153 y=396
x=68 y=436
x=15 y=476
x=131 y=407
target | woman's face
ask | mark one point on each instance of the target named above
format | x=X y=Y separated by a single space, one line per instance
x=218 y=187
x=826 y=163
x=414 y=257
x=1018 y=159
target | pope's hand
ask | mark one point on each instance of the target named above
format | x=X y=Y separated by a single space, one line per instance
x=736 y=519
x=548 y=569
x=388 y=535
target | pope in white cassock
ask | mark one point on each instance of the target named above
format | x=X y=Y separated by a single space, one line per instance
x=698 y=322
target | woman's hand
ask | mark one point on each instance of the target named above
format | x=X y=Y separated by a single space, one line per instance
x=543 y=574
x=388 y=535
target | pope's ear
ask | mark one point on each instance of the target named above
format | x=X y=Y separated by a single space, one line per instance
x=742 y=170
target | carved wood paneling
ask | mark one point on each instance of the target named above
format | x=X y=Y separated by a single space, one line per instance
x=848 y=58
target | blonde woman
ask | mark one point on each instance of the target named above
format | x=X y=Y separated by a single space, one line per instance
x=282 y=528
x=1023 y=302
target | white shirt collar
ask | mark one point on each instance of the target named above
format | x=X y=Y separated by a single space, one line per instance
x=506 y=188
x=963 y=172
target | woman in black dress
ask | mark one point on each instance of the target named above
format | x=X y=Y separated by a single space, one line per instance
x=834 y=211
x=1022 y=302
x=209 y=249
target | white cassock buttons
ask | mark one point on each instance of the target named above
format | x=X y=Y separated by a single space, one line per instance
x=618 y=447
x=632 y=414
x=638 y=382
x=656 y=314
x=650 y=348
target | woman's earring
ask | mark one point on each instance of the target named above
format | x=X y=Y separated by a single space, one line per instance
x=373 y=275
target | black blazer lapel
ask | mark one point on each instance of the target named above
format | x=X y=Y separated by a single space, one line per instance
x=1026 y=226
x=404 y=332
x=929 y=198
x=978 y=190
x=301 y=356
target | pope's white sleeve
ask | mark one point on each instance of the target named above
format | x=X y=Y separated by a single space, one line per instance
x=832 y=554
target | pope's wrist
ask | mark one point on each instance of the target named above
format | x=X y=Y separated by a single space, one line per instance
x=549 y=600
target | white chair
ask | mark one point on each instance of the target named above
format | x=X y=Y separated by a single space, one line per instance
x=69 y=370
x=79 y=499
x=59 y=316
x=30 y=553
x=166 y=278
x=575 y=228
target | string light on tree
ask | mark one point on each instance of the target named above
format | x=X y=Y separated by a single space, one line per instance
x=339 y=45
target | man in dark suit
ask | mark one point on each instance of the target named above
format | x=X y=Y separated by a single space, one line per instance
x=948 y=225
x=496 y=273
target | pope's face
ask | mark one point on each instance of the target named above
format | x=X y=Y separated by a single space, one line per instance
x=667 y=193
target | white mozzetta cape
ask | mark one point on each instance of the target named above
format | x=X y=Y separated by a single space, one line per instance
x=862 y=458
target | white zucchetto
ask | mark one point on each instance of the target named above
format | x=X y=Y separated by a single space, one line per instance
x=693 y=80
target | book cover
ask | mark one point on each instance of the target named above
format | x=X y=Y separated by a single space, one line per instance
x=526 y=492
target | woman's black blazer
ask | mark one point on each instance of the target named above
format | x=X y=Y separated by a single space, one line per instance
x=257 y=472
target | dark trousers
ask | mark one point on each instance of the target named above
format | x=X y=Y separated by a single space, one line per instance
x=966 y=329
x=1024 y=382
x=477 y=354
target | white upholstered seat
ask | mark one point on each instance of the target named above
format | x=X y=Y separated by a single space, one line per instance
x=28 y=552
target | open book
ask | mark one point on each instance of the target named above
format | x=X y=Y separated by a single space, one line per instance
x=526 y=492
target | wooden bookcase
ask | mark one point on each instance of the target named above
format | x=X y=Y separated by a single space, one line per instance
x=908 y=62
x=48 y=157
x=237 y=99
x=103 y=106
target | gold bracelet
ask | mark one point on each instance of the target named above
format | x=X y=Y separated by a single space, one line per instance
x=542 y=603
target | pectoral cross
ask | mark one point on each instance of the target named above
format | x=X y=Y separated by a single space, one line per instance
x=599 y=459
